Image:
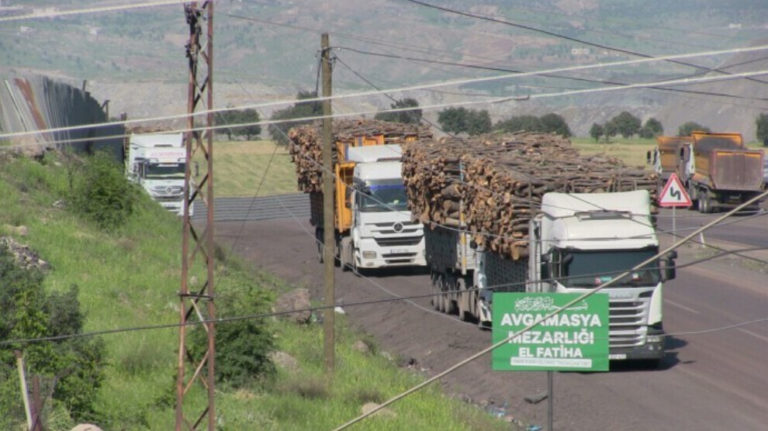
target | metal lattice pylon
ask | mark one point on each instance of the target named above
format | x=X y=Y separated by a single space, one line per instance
x=197 y=303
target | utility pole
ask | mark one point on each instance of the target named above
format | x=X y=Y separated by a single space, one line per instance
x=329 y=242
x=197 y=299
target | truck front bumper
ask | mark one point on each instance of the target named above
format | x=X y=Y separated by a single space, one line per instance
x=653 y=349
x=368 y=254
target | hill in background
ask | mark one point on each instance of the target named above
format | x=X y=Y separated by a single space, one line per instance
x=267 y=51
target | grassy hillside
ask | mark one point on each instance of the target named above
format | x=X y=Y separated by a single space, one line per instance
x=129 y=277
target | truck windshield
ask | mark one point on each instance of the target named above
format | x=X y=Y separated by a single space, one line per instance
x=383 y=196
x=592 y=268
x=165 y=170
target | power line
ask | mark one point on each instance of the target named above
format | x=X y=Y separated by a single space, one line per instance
x=55 y=13
x=686 y=81
x=458 y=82
x=544 y=318
x=569 y=38
x=395 y=298
x=573 y=78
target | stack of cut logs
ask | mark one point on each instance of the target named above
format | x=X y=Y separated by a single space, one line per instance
x=493 y=184
x=306 y=145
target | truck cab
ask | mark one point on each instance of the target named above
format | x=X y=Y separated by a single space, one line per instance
x=382 y=231
x=580 y=241
x=157 y=162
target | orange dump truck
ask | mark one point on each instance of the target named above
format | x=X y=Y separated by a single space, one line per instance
x=719 y=171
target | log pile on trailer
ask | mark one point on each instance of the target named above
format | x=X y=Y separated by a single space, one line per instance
x=493 y=184
x=306 y=147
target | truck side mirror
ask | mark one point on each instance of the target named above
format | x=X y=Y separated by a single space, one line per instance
x=670 y=272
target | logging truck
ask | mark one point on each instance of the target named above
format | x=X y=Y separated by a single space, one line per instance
x=372 y=224
x=575 y=243
x=525 y=212
x=719 y=171
x=373 y=227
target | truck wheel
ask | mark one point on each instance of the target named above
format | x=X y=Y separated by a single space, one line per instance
x=435 y=299
x=345 y=254
x=440 y=297
x=450 y=288
x=462 y=300
x=705 y=204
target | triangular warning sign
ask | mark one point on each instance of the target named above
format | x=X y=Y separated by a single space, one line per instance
x=674 y=194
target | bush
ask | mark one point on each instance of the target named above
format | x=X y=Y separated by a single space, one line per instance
x=102 y=194
x=242 y=346
x=74 y=365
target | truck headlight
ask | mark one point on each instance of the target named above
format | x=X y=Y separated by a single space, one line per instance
x=369 y=255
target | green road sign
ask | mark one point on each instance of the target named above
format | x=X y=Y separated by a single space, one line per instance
x=575 y=339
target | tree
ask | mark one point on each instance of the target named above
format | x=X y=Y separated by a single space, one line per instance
x=651 y=128
x=279 y=131
x=244 y=116
x=458 y=120
x=453 y=120
x=29 y=311
x=596 y=131
x=691 y=126
x=762 y=128
x=412 y=116
x=626 y=124
x=529 y=123
x=554 y=123
x=610 y=130
x=478 y=122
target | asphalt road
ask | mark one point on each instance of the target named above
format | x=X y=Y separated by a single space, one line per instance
x=714 y=377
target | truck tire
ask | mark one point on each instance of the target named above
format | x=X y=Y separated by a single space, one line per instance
x=705 y=202
x=449 y=286
x=462 y=301
x=346 y=256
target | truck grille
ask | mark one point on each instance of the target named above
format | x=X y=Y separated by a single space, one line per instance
x=398 y=242
x=405 y=227
x=626 y=322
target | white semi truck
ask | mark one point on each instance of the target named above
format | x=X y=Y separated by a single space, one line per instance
x=576 y=242
x=157 y=162
x=373 y=226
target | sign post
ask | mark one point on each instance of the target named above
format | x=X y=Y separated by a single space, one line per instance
x=574 y=339
x=674 y=195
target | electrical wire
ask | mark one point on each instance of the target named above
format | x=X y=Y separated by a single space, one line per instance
x=54 y=13
x=453 y=83
x=564 y=37
x=573 y=78
x=544 y=318
x=395 y=297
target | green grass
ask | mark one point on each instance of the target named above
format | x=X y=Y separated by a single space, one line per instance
x=240 y=167
x=130 y=278
x=632 y=151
